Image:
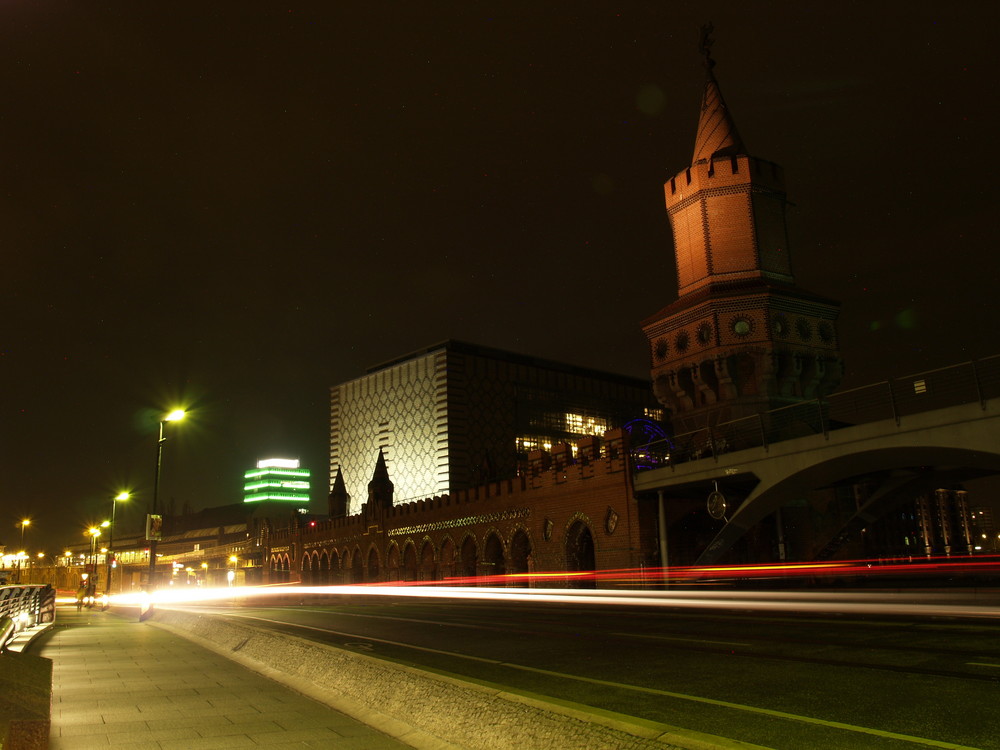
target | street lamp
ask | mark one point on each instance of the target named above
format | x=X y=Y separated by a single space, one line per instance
x=24 y=522
x=153 y=527
x=93 y=532
x=231 y=574
x=119 y=498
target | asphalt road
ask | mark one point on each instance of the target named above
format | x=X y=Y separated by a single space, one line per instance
x=780 y=680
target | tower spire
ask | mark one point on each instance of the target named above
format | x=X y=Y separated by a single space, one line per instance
x=717 y=133
x=380 y=489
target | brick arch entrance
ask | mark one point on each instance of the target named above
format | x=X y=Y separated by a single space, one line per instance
x=493 y=560
x=409 y=562
x=372 y=569
x=470 y=558
x=580 y=553
x=357 y=567
x=334 y=573
x=520 y=552
x=448 y=568
x=428 y=570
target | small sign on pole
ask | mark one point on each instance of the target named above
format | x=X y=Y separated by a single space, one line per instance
x=154 y=527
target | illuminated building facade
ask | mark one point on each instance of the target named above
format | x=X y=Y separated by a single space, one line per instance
x=277 y=480
x=455 y=415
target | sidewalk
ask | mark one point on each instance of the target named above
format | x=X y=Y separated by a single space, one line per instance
x=123 y=684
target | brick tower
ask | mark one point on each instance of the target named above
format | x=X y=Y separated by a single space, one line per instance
x=742 y=337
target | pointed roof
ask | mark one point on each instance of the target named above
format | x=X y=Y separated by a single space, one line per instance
x=339 y=488
x=380 y=477
x=717 y=134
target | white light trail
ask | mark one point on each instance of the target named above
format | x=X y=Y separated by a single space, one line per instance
x=920 y=604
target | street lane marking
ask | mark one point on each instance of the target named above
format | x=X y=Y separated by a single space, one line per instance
x=677 y=638
x=754 y=709
x=652 y=691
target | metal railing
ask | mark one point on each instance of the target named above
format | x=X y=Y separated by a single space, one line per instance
x=969 y=382
x=24 y=607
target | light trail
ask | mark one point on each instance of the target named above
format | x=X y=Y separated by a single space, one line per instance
x=704 y=587
x=921 y=604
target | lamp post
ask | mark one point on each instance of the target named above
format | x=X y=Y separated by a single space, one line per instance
x=119 y=498
x=153 y=527
x=93 y=532
x=24 y=522
x=231 y=574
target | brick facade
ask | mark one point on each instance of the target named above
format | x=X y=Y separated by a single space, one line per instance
x=564 y=513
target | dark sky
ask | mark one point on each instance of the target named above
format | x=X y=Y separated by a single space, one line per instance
x=233 y=206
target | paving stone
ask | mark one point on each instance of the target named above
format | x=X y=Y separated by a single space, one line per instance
x=123 y=684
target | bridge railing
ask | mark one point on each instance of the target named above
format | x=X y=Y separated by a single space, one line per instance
x=969 y=382
x=23 y=607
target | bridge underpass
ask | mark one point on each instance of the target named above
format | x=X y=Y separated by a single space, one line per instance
x=897 y=458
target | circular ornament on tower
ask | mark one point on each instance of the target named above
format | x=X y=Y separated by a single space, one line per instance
x=661 y=350
x=742 y=326
x=682 y=341
x=825 y=331
x=704 y=334
x=804 y=328
x=779 y=325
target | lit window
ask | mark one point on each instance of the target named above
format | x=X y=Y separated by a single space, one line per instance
x=581 y=425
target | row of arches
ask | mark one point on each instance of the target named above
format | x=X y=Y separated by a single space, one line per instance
x=423 y=560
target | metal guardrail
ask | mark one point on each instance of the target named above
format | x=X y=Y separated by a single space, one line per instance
x=24 y=607
x=969 y=382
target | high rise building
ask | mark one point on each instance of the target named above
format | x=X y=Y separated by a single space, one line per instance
x=277 y=480
x=456 y=415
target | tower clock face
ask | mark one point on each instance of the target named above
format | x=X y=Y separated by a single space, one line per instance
x=779 y=326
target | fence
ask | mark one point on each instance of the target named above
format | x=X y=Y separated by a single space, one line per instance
x=23 y=607
x=969 y=382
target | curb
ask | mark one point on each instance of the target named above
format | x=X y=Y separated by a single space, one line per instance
x=425 y=709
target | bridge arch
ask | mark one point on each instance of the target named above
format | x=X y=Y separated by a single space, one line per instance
x=901 y=472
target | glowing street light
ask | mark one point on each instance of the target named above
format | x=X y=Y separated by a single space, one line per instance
x=93 y=532
x=153 y=527
x=231 y=574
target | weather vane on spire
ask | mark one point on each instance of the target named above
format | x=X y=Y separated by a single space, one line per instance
x=705 y=45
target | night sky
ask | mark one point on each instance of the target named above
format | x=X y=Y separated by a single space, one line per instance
x=233 y=206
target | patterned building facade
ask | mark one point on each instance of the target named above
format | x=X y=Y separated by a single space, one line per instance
x=455 y=415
